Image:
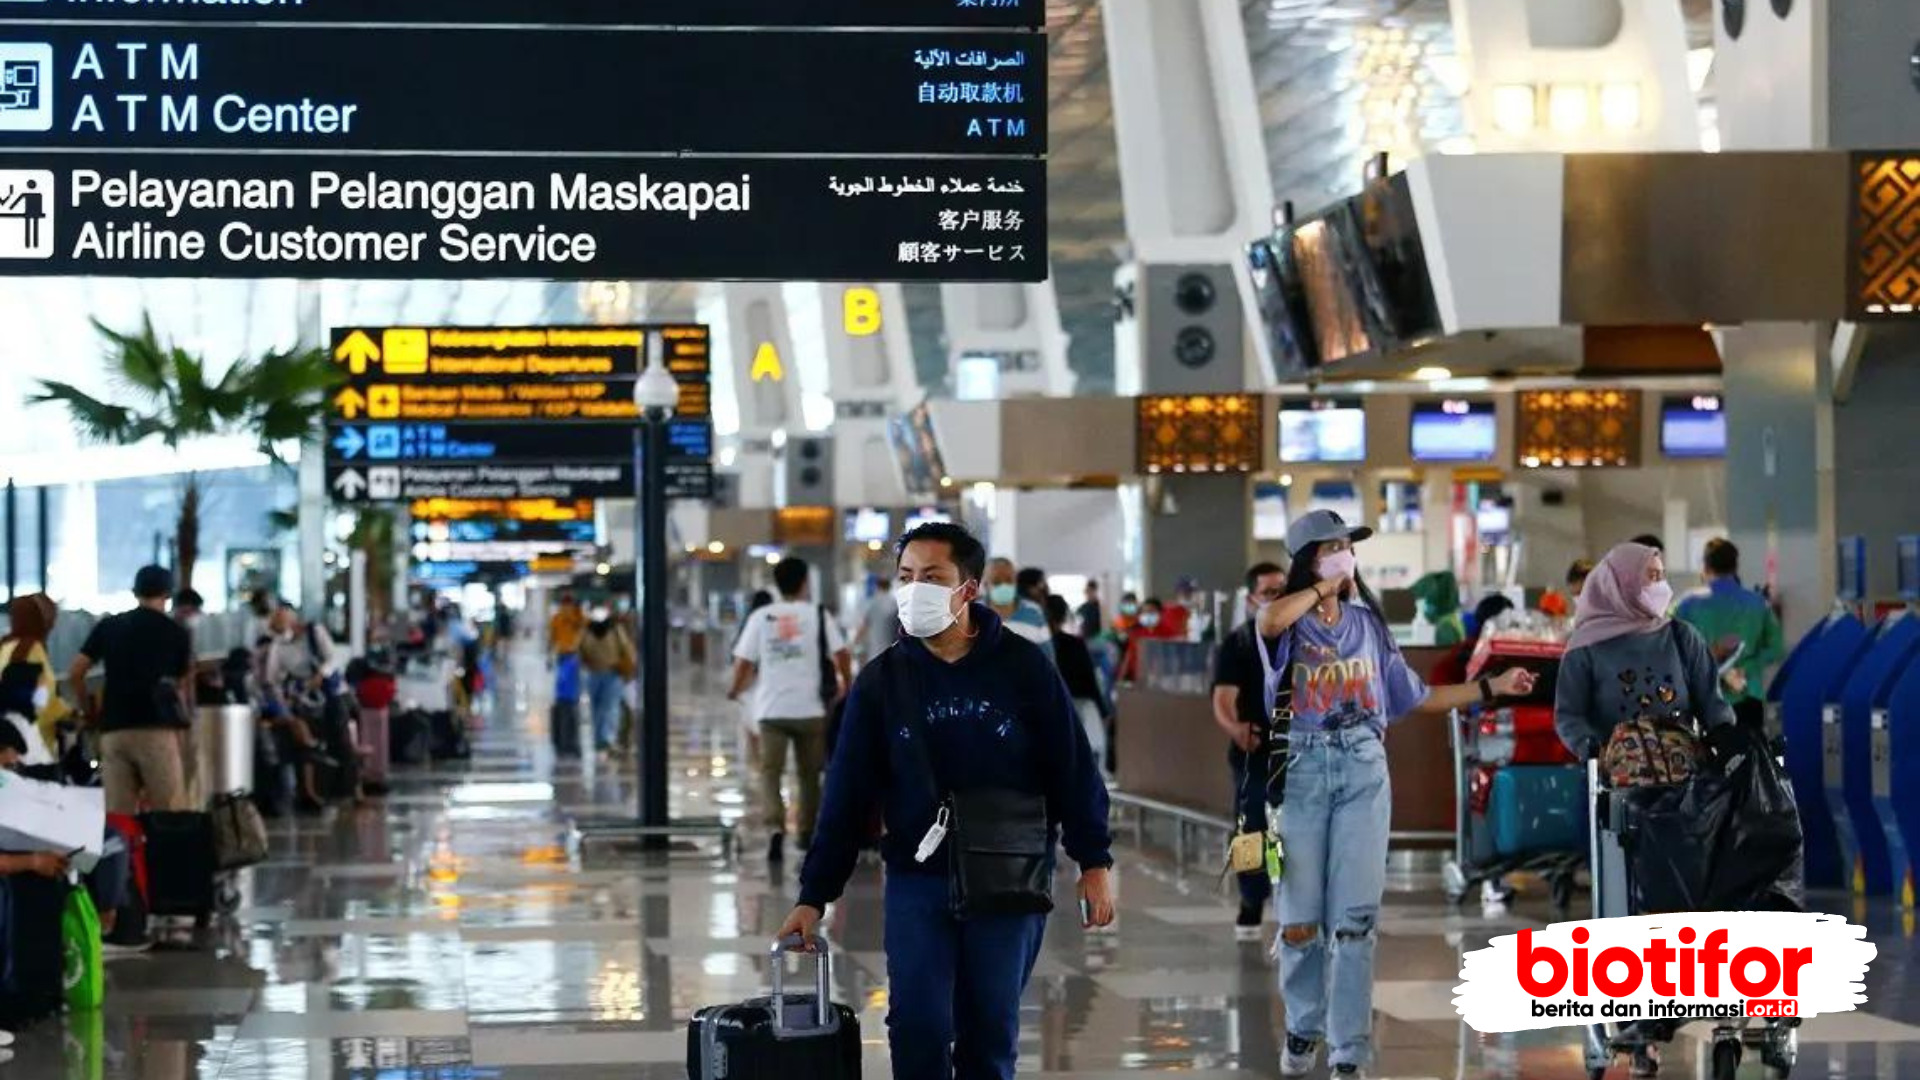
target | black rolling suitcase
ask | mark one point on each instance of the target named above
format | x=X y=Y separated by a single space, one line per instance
x=410 y=738
x=784 y=1036
x=32 y=984
x=566 y=728
x=181 y=863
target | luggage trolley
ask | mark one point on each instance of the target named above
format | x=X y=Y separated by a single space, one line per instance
x=1519 y=796
x=1777 y=1041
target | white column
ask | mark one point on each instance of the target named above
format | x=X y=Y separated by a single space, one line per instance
x=313 y=505
x=756 y=379
x=1193 y=164
x=867 y=354
x=1017 y=325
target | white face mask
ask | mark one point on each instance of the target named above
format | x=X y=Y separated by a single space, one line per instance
x=40 y=698
x=926 y=609
x=1150 y=620
x=1657 y=596
x=1338 y=564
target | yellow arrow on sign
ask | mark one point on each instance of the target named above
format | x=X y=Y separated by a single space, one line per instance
x=357 y=352
x=350 y=403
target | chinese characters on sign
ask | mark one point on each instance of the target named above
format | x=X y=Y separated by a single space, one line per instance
x=336 y=139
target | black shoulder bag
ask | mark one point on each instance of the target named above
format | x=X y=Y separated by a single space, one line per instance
x=999 y=842
x=829 y=674
x=1280 y=720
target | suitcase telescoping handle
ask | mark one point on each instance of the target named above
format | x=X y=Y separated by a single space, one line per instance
x=822 y=979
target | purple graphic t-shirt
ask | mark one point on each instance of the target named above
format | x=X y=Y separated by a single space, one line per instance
x=1345 y=675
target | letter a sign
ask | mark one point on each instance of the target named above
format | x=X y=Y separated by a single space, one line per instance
x=766 y=364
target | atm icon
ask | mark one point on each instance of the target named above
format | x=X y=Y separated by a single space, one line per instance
x=383 y=442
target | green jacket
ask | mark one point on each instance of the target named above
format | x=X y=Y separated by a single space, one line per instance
x=1726 y=612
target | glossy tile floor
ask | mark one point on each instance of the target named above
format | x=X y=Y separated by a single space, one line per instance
x=459 y=932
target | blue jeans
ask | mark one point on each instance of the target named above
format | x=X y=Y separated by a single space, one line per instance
x=954 y=987
x=1250 y=802
x=603 y=695
x=1333 y=830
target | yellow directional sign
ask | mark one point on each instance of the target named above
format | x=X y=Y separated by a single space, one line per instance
x=350 y=403
x=357 y=352
x=766 y=364
x=383 y=402
x=406 y=351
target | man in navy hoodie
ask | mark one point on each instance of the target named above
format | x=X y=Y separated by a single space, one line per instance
x=996 y=716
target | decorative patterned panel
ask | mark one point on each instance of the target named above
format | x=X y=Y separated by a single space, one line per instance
x=1579 y=428
x=1885 y=272
x=1209 y=433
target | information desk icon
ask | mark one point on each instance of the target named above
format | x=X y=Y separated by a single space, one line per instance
x=26 y=213
x=383 y=484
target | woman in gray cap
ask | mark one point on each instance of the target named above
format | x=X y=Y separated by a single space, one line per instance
x=1326 y=641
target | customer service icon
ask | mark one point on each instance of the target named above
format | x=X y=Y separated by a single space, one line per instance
x=26 y=213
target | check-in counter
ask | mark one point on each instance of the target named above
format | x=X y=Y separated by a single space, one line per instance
x=1170 y=750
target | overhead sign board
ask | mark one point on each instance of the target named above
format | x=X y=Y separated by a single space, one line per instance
x=582 y=91
x=811 y=13
x=509 y=413
x=879 y=140
x=467 y=218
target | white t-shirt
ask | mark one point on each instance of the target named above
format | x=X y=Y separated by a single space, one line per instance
x=783 y=641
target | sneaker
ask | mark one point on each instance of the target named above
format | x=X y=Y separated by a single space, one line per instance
x=777 y=848
x=1299 y=1056
x=1247 y=926
x=1349 y=1072
x=115 y=950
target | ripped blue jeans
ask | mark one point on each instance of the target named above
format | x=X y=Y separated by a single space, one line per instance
x=1333 y=830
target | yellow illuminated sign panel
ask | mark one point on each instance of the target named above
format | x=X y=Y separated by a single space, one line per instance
x=860 y=311
x=766 y=365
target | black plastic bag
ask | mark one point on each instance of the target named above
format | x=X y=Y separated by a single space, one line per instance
x=1723 y=841
x=1761 y=842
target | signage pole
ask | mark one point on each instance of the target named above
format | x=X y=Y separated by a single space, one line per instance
x=651 y=570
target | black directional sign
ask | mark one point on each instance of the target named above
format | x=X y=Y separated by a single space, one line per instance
x=509 y=412
x=983 y=13
x=830 y=140
x=555 y=91
x=462 y=218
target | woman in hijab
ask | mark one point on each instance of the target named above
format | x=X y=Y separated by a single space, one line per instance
x=1626 y=659
x=30 y=620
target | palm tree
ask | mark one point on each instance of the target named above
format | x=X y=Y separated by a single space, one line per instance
x=276 y=398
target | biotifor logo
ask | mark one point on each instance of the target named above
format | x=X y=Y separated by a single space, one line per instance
x=1717 y=965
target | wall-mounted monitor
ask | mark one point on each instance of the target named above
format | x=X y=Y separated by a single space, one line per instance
x=1397 y=290
x=867 y=525
x=1269 y=512
x=1323 y=250
x=1454 y=431
x=922 y=467
x=1323 y=431
x=1693 y=426
x=1284 y=313
x=926 y=515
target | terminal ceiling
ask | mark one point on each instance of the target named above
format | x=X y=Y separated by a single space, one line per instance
x=1338 y=80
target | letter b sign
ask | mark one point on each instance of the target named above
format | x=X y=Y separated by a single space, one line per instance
x=860 y=311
